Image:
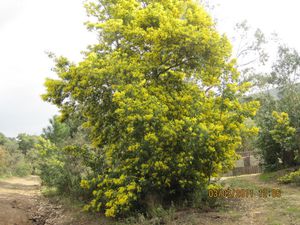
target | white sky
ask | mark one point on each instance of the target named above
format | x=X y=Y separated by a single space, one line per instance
x=270 y=16
x=28 y=28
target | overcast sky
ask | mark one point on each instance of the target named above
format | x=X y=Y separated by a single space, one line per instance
x=28 y=28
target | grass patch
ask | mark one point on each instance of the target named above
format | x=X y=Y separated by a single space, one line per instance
x=293 y=209
x=4 y=176
x=55 y=196
x=273 y=176
x=239 y=183
x=49 y=191
x=268 y=176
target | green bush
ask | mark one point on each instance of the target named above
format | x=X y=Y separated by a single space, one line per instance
x=62 y=168
x=13 y=162
x=293 y=177
x=3 y=161
x=22 y=168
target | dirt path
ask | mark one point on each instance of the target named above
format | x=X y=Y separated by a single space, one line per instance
x=21 y=203
x=18 y=199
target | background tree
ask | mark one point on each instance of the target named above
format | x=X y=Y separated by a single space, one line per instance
x=26 y=142
x=250 y=49
x=12 y=160
x=3 y=160
x=63 y=156
x=280 y=93
x=57 y=131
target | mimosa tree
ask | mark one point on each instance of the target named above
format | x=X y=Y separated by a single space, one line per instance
x=160 y=96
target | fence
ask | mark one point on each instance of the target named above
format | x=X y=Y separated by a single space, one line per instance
x=247 y=164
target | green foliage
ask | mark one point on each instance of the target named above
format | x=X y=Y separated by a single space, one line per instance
x=160 y=95
x=21 y=168
x=248 y=136
x=277 y=142
x=26 y=142
x=3 y=161
x=3 y=139
x=12 y=160
x=268 y=176
x=65 y=157
x=51 y=167
x=283 y=133
x=57 y=131
x=293 y=177
x=61 y=168
x=268 y=149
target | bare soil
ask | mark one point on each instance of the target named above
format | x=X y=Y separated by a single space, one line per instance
x=18 y=199
x=21 y=203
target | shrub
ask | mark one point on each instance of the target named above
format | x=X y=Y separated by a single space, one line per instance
x=21 y=168
x=293 y=177
x=13 y=162
x=276 y=141
x=61 y=168
x=3 y=161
